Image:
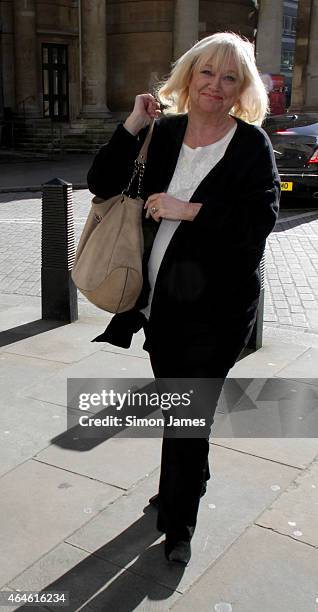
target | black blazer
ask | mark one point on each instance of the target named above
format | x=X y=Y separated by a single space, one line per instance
x=208 y=284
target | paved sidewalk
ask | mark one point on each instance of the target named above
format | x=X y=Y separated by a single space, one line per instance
x=77 y=519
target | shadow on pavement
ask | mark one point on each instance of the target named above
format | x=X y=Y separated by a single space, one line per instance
x=9 y=336
x=86 y=581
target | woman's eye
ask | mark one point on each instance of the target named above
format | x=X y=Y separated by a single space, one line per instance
x=227 y=77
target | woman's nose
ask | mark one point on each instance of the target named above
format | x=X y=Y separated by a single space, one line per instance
x=216 y=82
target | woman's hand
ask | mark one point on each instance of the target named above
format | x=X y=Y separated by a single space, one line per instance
x=145 y=109
x=164 y=206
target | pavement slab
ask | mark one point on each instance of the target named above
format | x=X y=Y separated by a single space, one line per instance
x=101 y=364
x=295 y=513
x=267 y=408
x=94 y=583
x=19 y=313
x=87 y=311
x=68 y=343
x=240 y=489
x=305 y=366
x=295 y=452
x=40 y=506
x=268 y=361
x=135 y=349
x=117 y=461
x=18 y=373
x=27 y=427
x=289 y=336
x=8 y=301
x=263 y=571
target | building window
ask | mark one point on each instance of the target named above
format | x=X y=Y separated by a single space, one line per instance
x=55 y=82
x=289 y=25
x=287 y=59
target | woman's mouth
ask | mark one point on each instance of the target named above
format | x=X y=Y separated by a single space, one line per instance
x=213 y=96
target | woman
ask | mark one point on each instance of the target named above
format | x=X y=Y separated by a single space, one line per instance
x=211 y=192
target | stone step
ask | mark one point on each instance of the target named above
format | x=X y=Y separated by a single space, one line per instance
x=67 y=137
x=44 y=136
x=23 y=154
x=45 y=132
x=78 y=134
x=41 y=135
x=90 y=130
x=32 y=147
x=92 y=150
x=35 y=147
x=93 y=124
x=100 y=124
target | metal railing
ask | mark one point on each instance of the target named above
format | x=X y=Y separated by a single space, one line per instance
x=23 y=105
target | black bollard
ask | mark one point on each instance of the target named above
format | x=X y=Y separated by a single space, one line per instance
x=59 y=294
x=256 y=339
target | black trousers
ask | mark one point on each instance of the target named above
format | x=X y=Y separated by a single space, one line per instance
x=184 y=461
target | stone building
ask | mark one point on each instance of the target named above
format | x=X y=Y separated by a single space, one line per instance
x=290 y=8
x=305 y=74
x=277 y=40
x=276 y=37
x=77 y=65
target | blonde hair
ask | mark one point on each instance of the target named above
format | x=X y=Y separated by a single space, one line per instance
x=219 y=48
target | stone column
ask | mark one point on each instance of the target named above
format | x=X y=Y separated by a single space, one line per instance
x=1 y=79
x=94 y=60
x=311 y=101
x=269 y=36
x=303 y=34
x=186 y=26
x=26 y=59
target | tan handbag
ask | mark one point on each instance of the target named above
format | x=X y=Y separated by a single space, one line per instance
x=108 y=261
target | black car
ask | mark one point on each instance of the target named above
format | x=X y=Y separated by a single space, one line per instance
x=295 y=141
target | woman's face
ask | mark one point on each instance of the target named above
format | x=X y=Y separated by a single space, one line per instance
x=214 y=91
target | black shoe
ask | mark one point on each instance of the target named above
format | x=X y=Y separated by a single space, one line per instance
x=178 y=552
x=154 y=500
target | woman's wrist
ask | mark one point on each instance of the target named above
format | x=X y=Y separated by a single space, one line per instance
x=191 y=210
x=133 y=125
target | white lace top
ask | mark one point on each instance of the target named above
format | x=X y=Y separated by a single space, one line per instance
x=192 y=166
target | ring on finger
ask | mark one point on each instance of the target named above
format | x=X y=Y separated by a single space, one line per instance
x=154 y=209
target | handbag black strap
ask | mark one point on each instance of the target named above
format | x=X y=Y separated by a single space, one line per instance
x=140 y=163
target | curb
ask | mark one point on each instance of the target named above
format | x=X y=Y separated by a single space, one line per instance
x=313 y=213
